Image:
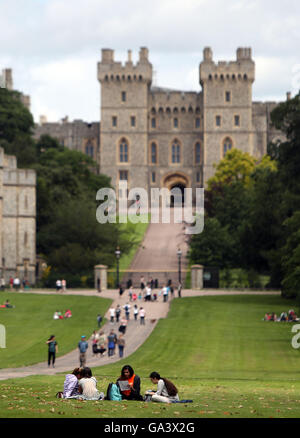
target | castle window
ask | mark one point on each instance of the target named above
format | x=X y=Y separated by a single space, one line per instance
x=153 y=111
x=132 y=121
x=123 y=175
x=123 y=149
x=175 y=110
x=236 y=120
x=123 y=96
x=183 y=110
x=227 y=145
x=245 y=77
x=197 y=122
x=197 y=153
x=175 y=152
x=25 y=238
x=153 y=153
x=227 y=96
x=114 y=121
x=175 y=122
x=218 y=120
x=153 y=177
x=89 y=149
x=168 y=110
x=198 y=177
x=153 y=122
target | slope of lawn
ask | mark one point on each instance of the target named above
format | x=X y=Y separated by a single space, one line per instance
x=217 y=350
x=30 y=323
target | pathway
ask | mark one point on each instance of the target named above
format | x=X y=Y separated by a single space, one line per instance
x=135 y=336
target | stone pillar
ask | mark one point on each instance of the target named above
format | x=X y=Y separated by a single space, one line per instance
x=100 y=277
x=197 y=277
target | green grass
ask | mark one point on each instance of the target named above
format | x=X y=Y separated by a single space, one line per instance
x=31 y=322
x=218 y=352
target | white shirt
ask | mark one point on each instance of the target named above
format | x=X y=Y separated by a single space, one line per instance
x=112 y=312
x=142 y=312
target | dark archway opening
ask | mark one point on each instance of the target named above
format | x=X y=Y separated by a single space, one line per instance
x=180 y=199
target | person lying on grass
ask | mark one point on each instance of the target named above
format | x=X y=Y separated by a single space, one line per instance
x=129 y=384
x=166 y=390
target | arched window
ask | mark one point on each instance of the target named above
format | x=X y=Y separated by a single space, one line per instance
x=89 y=149
x=153 y=153
x=123 y=151
x=176 y=151
x=197 y=153
x=227 y=145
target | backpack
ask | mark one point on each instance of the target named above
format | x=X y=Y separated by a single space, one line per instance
x=113 y=392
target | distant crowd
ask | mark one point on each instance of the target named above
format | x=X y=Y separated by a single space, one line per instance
x=289 y=316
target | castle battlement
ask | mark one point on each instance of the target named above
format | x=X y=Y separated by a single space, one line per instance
x=110 y=70
x=243 y=69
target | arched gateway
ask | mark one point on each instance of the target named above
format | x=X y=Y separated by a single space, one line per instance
x=176 y=180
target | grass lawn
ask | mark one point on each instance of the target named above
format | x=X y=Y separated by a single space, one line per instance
x=218 y=352
x=31 y=322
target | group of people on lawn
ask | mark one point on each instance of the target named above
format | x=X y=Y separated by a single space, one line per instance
x=284 y=316
x=81 y=384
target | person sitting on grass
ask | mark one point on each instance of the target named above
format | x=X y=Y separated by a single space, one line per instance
x=71 y=387
x=166 y=390
x=88 y=386
x=68 y=313
x=8 y=305
x=129 y=384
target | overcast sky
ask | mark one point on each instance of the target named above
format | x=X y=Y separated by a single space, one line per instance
x=53 y=46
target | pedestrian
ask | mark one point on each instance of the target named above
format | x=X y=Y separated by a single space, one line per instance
x=82 y=346
x=58 y=285
x=2 y=283
x=142 y=316
x=11 y=282
x=98 y=285
x=99 y=319
x=101 y=343
x=165 y=293
x=151 y=283
x=121 y=345
x=171 y=290
x=121 y=290
x=148 y=293
x=95 y=338
x=64 y=285
x=16 y=283
x=135 y=312
x=118 y=312
x=123 y=325
x=127 y=311
x=112 y=314
x=111 y=339
x=179 y=290
x=142 y=284
x=130 y=292
x=52 y=350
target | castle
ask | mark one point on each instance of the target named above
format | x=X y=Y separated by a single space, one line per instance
x=17 y=220
x=158 y=137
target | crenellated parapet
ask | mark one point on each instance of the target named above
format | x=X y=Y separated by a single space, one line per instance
x=110 y=70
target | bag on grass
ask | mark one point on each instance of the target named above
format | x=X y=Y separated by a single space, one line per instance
x=113 y=392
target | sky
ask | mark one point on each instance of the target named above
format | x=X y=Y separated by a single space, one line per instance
x=53 y=46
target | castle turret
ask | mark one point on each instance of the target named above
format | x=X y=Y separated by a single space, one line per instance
x=227 y=105
x=124 y=105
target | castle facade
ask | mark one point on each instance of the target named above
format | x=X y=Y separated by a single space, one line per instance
x=158 y=137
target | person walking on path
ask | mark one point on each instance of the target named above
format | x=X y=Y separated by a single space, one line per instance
x=112 y=340
x=82 y=346
x=123 y=325
x=142 y=316
x=99 y=319
x=165 y=293
x=127 y=311
x=121 y=345
x=52 y=350
x=135 y=312
x=118 y=312
x=179 y=290
x=64 y=285
x=112 y=312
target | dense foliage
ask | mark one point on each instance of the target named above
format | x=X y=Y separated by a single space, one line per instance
x=252 y=209
x=69 y=237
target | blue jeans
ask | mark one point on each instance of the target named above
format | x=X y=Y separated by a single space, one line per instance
x=121 y=350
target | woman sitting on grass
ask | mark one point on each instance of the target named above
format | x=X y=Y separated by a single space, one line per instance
x=88 y=386
x=71 y=387
x=166 y=390
x=129 y=384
